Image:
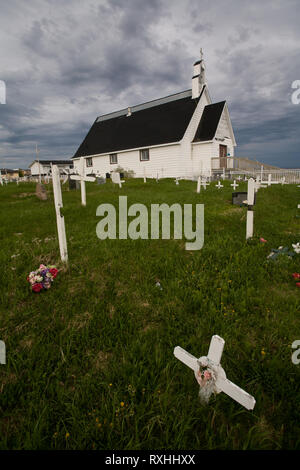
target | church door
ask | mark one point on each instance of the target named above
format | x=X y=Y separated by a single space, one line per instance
x=223 y=156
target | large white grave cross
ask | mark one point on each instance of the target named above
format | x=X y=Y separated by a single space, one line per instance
x=211 y=364
x=250 y=203
x=234 y=185
x=116 y=179
x=82 y=178
x=61 y=230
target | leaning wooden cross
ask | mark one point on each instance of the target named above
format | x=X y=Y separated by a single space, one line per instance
x=61 y=230
x=82 y=178
x=209 y=372
x=116 y=179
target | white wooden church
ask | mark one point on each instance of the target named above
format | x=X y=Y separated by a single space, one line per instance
x=180 y=135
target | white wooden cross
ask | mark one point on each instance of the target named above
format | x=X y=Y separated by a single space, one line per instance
x=82 y=178
x=235 y=185
x=250 y=213
x=204 y=184
x=219 y=185
x=59 y=217
x=199 y=184
x=239 y=177
x=67 y=173
x=145 y=179
x=211 y=362
x=177 y=181
x=115 y=177
x=269 y=179
x=1 y=179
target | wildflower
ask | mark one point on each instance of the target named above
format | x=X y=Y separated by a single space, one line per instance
x=110 y=385
x=55 y=435
x=263 y=353
x=122 y=403
x=67 y=435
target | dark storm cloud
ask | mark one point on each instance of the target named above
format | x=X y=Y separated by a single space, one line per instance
x=67 y=62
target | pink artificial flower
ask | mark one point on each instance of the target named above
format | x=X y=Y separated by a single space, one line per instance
x=207 y=375
x=37 y=287
x=262 y=240
x=42 y=267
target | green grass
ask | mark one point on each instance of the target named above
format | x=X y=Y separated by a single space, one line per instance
x=104 y=334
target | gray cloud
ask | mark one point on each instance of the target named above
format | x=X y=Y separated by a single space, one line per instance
x=67 y=62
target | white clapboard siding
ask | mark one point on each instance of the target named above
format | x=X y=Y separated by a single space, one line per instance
x=164 y=160
x=201 y=158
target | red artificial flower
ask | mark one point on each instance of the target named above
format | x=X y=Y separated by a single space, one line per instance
x=37 y=287
x=298 y=284
x=296 y=275
x=54 y=272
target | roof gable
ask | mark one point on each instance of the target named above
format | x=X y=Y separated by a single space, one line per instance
x=148 y=125
x=209 y=122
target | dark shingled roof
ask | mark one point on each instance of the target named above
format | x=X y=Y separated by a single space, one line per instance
x=156 y=124
x=55 y=162
x=209 y=122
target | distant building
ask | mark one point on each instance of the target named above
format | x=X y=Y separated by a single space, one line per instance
x=178 y=135
x=43 y=167
x=9 y=174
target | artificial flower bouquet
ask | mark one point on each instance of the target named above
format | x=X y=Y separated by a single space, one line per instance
x=42 y=277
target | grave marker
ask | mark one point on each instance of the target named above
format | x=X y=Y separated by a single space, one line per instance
x=250 y=203
x=82 y=178
x=59 y=217
x=210 y=374
x=234 y=185
x=269 y=179
x=116 y=179
x=219 y=185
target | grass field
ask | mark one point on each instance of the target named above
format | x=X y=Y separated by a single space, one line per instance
x=90 y=362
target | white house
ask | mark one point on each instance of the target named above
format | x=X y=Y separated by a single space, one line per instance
x=174 y=136
x=43 y=167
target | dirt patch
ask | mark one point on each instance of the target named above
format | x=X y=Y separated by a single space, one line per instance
x=233 y=210
x=23 y=195
x=101 y=360
x=80 y=321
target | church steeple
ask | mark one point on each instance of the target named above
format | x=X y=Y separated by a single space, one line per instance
x=198 y=80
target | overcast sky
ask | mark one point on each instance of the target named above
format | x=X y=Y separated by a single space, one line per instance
x=66 y=62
